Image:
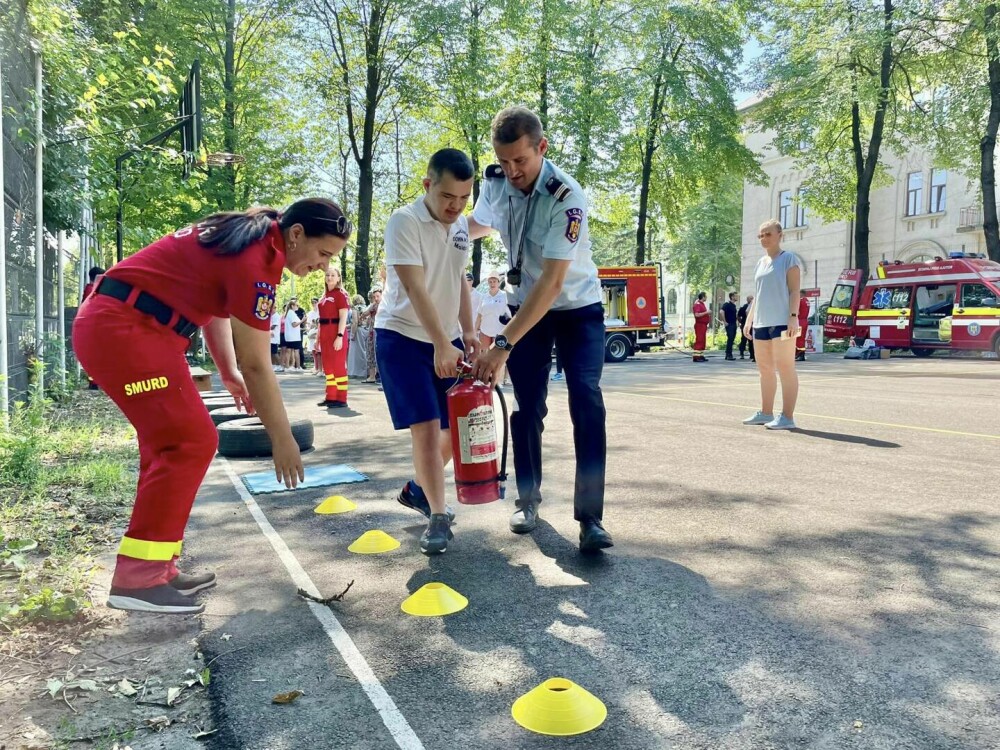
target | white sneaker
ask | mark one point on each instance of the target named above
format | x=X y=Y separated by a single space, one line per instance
x=759 y=418
x=278 y=368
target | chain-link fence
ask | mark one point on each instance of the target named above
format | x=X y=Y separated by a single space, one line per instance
x=18 y=132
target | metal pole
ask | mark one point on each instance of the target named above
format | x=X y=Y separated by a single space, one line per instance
x=62 y=313
x=119 y=213
x=4 y=388
x=39 y=227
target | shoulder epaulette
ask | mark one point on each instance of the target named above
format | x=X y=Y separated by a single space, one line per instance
x=558 y=189
x=494 y=172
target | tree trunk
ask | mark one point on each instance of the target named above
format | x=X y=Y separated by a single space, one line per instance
x=544 y=50
x=648 y=151
x=987 y=146
x=228 y=197
x=586 y=95
x=866 y=176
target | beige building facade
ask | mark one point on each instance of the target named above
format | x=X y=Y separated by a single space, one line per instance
x=926 y=212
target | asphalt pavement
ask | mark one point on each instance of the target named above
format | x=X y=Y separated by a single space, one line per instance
x=831 y=587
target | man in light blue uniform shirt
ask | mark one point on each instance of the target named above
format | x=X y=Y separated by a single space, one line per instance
x=541 y=214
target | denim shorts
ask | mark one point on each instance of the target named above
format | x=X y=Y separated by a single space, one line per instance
x=413 y=392
x=768 y=333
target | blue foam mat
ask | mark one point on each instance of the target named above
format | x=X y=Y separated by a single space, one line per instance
x=316 y=476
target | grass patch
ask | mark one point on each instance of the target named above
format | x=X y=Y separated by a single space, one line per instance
x=67 y=481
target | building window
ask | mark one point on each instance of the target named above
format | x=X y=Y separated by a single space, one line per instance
x=785 y=208
x=801 y=215
x=672 y=302
x=914 y=193
x=938 y=179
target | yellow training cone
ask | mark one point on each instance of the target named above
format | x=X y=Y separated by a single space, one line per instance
x=560 y=708
x=434 y=600
x=373 y=542
x=335 y=504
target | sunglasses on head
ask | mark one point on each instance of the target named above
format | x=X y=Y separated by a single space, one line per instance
x=342 y=225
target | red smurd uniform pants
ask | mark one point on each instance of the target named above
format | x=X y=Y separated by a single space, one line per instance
x=140 y=364
x=699 y=336
x=800 y=341
x=334 y=362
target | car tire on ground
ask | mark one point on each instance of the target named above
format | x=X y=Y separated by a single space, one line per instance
x=617 y=348
x=247 y=438
x=221 y=402
x=920 y=351
x=227 y=414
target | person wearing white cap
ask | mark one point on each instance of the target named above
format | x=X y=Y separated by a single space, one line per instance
x=494 y=314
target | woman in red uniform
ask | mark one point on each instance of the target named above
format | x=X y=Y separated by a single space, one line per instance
x=702 y=318
x=131 y=335
x=333 y=309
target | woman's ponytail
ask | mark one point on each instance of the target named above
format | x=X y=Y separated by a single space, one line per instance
x=229 y=232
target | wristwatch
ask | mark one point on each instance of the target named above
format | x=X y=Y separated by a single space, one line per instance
x=501 y=342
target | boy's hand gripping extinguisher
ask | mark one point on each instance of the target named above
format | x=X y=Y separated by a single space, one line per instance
x=480 y=473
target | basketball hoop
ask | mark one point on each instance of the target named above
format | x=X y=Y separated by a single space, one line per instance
x=222 y=159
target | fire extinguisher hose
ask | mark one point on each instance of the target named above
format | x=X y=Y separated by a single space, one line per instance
x=506 y=435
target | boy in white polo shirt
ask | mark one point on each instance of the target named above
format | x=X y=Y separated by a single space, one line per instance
x=424 y=328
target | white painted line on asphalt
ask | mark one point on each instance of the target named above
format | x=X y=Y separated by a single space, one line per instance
x=394 y=721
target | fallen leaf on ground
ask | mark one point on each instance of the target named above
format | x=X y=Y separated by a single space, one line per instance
x=53 y=686
x=158 y=722
x=205 y=676
x=286 y=697
x=126 y=688
x=172 y=693
x=203 y=734
x=858 y=725
x=225 y=637
x=67 y=649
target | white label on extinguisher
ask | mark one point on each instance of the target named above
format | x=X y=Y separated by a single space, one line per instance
x=477 y=436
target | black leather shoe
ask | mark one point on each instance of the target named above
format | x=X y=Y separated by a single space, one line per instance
x=593 y=537
x=525 y=519
x=324 y=403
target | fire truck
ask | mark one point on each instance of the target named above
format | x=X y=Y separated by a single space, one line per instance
x=940 y=304
x=633 y=309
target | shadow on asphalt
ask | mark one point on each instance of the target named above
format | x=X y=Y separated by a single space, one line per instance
x=739 y=662
x=842 y=438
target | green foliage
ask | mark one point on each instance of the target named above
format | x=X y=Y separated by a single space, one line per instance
x=708 y=246
x=65 y=482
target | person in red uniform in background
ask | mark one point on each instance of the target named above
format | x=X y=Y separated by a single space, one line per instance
x=219 y=274
x=92 y=274
x=333 y=309
x=702 y=318
x=800 y=341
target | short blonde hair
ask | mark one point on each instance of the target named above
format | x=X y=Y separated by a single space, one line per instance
x=771 y=223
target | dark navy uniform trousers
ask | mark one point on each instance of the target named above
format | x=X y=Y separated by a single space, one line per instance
x=579 y=336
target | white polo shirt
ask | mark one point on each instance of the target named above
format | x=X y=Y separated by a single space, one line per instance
x=276 y=327
x=415 y=238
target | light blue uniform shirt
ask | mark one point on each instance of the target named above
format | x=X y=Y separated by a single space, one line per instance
x=555 y=229
x=770 y=280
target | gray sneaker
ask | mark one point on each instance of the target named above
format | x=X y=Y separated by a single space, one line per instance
x=434 y=540
x=759 y=418
x=781 y=422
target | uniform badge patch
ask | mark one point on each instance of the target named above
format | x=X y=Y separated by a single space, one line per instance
x=574 y=219
x=264 y=301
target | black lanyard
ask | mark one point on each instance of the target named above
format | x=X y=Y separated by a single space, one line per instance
x=524 y=227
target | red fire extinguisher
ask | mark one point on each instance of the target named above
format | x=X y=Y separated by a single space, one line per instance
x=480 y=469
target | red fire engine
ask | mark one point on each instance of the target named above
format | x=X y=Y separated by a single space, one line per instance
x=945 y=303
x=633 y=310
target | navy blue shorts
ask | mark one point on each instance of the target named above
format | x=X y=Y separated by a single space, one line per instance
x=412 y=390
x=769 y=332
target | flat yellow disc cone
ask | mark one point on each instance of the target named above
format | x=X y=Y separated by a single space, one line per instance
x=373 y=542
x=560 y=708
x=434 y=600
x=335 y=504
